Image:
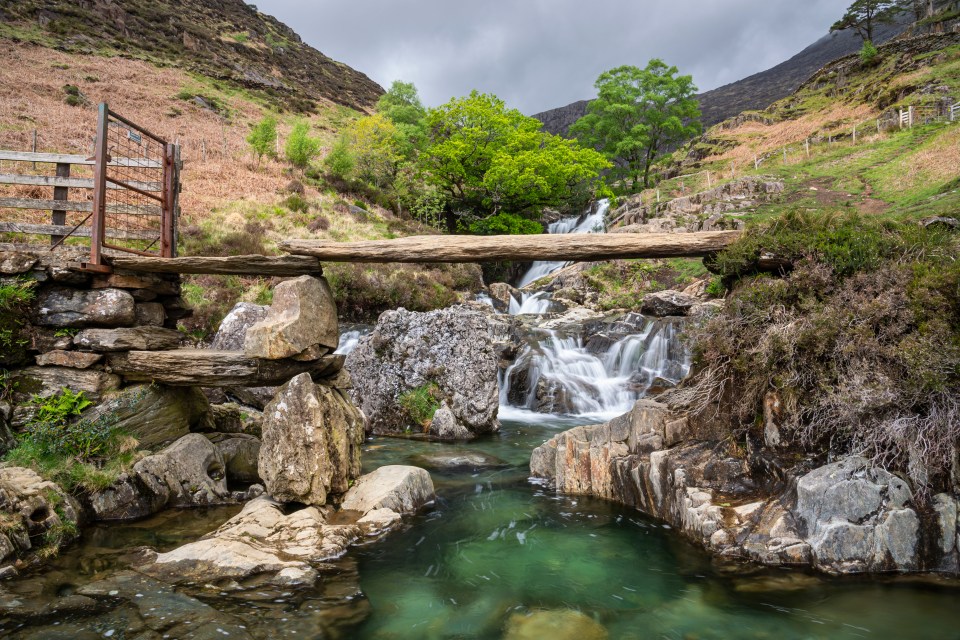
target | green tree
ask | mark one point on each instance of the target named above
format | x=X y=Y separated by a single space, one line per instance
x=865 y=15
x=301 y=148
x=340 y=160
x=638 y=114
x=485 y=158
x=401 y=105
x=263 y=138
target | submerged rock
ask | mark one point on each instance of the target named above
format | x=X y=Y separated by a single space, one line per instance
x=311 y=442
x=458 y=460
x=565 y=624
x=450 y=350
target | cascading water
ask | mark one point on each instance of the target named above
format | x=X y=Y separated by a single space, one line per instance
x=349 y=340
x=591 y=223
x=558 y=373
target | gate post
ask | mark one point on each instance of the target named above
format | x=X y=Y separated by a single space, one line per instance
x=100 y=159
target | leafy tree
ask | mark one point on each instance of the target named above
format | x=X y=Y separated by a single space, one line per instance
x=301 y=148
x=340 y=161
x=402 y=106
x=263 y=138
x=375 y=144
x=485 y=158
x=865 y=15
x=638 y=113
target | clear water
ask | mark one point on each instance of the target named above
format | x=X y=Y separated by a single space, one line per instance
x=496 y=546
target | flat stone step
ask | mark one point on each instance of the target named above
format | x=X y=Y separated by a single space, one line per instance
x=210 y=368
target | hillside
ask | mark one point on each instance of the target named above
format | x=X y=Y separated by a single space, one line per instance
x=223 y=39
x=756 y=91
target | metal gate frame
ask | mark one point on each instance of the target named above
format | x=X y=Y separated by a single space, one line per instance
x=167 y=195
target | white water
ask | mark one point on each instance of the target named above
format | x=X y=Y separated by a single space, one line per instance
x=561 y=376
x=349 y=341
x=533 y=303
x=589 y=223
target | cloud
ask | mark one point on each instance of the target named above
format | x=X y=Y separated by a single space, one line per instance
x=540 y=54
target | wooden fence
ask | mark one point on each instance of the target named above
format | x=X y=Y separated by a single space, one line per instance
x=129 y=204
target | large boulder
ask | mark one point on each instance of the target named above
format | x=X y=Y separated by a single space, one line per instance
x=191 y=470
x=399 y=488
x=302 y=317
x=448 y=354
x=65 y=307
x=311 y=442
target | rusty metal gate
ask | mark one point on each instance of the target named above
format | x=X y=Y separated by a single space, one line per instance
x=136 y=188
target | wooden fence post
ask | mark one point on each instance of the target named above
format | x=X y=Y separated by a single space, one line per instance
x=97 y=221
x=807 y=144
x=58 y=216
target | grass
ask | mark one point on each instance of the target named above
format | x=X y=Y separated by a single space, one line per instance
x=15 y=299
x=421 y=404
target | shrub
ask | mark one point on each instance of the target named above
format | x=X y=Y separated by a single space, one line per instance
x=300 y=148
x=263 y=138
x=340 y=162
x=868 y=53
x=859 y=341
x=421 y=404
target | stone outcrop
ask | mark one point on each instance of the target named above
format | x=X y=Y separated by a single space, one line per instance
x=667 y=303
x=33 y=511
x=311 y=442
x=265 y=544
x=844 y=517
x=715 y=209
x=451 y=349
x=301 y=320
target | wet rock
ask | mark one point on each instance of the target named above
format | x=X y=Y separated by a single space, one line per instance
x=128 y=339
x=452 y=349
x=14 y=262
x=398 y=488
x=163 y=610
x=458 y=460
x=564 y=624
x=72 y=359
x=233 y=328
x=311 y=442
x=63 y=307
x=259 y=542
x=130 y=497
x=857 y=518
x=30 y=507
x=667 y=303
x=303 y=314
x=49 y=381
x=155 y=414
x=192 y=469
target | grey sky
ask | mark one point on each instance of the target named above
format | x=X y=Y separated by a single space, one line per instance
x=540 y=54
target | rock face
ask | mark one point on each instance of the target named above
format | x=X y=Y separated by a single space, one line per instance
x=32 y=509
x=452 y=349
x=844 y=517
x=63 y=307
x=303 y=315
x=263 y=544
x=311 y=442
x=155 y=414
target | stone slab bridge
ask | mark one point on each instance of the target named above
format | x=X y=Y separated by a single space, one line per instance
x=306 y=255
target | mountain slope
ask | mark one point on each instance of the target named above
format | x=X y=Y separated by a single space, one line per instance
x=756 y=91
x=223 y=39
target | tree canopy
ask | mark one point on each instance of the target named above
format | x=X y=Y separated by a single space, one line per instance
x=486 y=158
x=638 y=114
x=865 y=15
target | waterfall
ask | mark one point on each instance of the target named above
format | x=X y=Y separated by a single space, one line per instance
x=557 y=373
x=587 y=223
x=349 y=340
x=538 y=302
